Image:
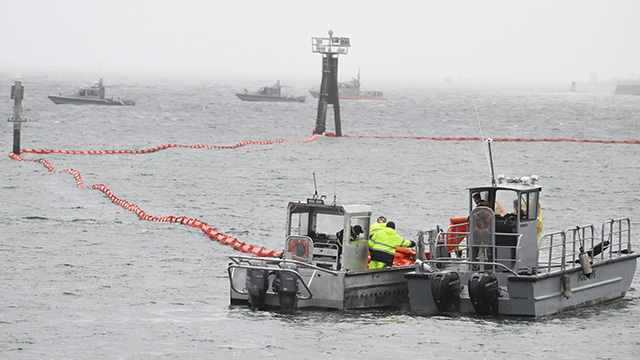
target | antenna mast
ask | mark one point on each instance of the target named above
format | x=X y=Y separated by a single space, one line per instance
x=315 y=186
x=335 y=180
x=493 y=175
x=487 y=149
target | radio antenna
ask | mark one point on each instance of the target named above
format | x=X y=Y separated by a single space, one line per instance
x=487 y=148
x=335 y=179
x=315 y=186
x=493 y=175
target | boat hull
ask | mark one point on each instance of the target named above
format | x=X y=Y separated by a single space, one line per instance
x=74 y=100
x=316 y=94
x=269 y=98
x=335 y=290
x=535 y=295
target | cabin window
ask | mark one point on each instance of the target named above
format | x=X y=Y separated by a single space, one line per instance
x=483 y=198
x=328 y=225
x=479 y=196
x=301 y=227
x=529 y=206
x=364 y=224
x=506 y=202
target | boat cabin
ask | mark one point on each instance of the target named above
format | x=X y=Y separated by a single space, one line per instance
x=271 y=90
x=333 y=237
x=97 y=91
x=503 y=223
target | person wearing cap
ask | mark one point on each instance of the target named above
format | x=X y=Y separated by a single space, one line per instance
x=382 y=246
x=355 y=231
x=380 y=224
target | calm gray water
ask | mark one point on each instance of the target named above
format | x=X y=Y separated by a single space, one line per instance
x=82 y=278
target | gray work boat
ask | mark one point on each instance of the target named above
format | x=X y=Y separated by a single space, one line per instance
x=494 y=264
x=315 y=273
x=628 y=87
x=270 y=94
x=90 y=95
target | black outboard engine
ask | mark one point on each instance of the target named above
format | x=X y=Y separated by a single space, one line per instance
x=445 y=289
x=484 y=291
x=257 y=283
x=286 y=285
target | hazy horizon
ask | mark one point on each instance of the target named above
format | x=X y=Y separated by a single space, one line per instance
x=529 y=41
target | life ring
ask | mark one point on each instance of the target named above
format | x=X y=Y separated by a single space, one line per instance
x=482 y=222
x=299 y=247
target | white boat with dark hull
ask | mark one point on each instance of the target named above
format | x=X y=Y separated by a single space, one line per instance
x=350 y=90
x=316 y=273
x=503 y=269
x=90 y=95
x=269 y=94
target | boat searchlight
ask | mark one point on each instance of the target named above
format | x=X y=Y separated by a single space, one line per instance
x=525 y=180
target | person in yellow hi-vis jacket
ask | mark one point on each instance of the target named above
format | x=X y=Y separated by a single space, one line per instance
x=380 y=224
x=539 y=223
x=382 y=246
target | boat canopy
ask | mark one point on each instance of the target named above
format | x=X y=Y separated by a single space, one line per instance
x=96 y=90
x=313 y=229
x=511 y=215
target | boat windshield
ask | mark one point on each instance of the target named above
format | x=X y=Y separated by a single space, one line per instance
x=322 y=227
x=510 y=202
x=327 y=226
x=506 y=202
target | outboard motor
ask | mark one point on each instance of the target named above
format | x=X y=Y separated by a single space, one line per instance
x=286 y=285
x=257 y=283
x=484 y=291
x=445 y=289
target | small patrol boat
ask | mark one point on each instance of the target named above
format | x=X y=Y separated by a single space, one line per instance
x=90 y=95
x=494 y=262
x=315 y=272
x=270 y=94
x=350 y=90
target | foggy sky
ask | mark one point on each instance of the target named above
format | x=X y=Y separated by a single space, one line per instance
x=541 y=40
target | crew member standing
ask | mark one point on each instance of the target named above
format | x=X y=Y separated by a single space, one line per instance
x=377 y=226
x=382 y=246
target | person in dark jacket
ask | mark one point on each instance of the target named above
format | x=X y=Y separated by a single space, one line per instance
x=355 y=231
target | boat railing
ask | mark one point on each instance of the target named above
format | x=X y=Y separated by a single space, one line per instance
x=579 y=238
x=561 y=250
x=501 y=257
x=232 y=267
x=552 y=250
x=238 y=259
x=616 y=232
x=242 y=262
